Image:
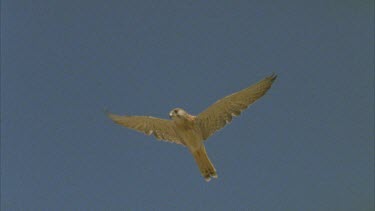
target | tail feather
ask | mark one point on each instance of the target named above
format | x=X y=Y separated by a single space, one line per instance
x=205 y=166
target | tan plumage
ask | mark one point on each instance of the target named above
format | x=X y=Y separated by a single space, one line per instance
x=162 y=129
x=190 y=130
x=220 y=113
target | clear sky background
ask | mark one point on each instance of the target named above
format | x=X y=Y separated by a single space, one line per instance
x=308 y=144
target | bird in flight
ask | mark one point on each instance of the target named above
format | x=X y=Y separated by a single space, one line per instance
x=191 y=131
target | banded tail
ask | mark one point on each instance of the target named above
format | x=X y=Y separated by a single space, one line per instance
x=205 y=166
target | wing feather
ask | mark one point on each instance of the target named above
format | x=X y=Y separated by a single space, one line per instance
x=162 y=129
x=220 y=113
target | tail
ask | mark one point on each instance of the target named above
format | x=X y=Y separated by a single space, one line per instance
x=205 y=166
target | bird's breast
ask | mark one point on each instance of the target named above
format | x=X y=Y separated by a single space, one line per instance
x=190 y=136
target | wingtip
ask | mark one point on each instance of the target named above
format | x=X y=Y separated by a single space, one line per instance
x=106 y=111
x=273 y=77
x=109 y=114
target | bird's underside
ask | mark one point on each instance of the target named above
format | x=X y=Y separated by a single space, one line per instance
x=191 y=131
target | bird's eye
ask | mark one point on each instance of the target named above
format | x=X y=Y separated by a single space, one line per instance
x=175 y=111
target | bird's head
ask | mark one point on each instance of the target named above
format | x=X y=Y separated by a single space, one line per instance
x=177 y=113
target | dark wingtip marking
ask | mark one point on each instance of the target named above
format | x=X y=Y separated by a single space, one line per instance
x=272 y=77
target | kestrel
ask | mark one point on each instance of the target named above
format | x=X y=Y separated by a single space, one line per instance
x=191 y=131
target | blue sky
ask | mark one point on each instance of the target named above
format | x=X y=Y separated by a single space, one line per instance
x=308 y=144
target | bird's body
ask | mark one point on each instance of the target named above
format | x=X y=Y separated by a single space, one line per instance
x=191 y=131
x=191 y=136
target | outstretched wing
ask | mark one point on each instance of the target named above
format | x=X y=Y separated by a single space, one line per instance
x=161 y=128
x=220 y=113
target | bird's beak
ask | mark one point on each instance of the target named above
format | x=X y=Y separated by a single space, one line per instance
x=170 y=115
